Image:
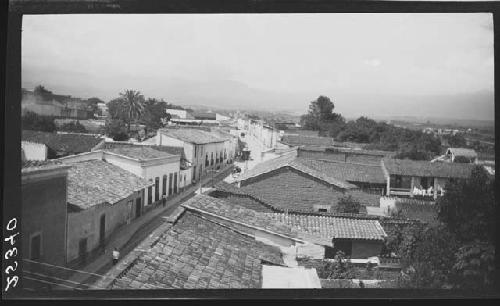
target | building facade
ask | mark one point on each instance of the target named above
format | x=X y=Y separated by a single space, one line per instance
x=44 y=219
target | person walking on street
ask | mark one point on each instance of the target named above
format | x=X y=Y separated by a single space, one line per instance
x=164 y=200
x=116 y=256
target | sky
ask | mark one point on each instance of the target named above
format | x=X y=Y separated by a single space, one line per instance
x=368 y=64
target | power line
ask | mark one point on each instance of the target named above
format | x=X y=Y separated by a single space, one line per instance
x=54 y=278
x=47 y=282
x=60 y=267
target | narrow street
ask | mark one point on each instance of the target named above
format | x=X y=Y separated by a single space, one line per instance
x=125 y=239
x=256 y=155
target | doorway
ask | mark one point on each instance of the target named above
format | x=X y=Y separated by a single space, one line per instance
x=102 y=230
x=138 y=207
x=82 y=250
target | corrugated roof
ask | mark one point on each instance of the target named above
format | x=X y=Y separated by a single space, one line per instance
x=333 y=227
x=96 y=182
x=195 y=136
x=408 y=167
x=70 y=143
x=199 y=254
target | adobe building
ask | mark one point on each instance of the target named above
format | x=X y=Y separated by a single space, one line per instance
x=44 y=220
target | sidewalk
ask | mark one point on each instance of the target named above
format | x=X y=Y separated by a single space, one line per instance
x=144 y=225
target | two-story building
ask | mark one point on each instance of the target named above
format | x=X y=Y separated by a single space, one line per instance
x=202 y=149
x=159 y=167
x=43 y=218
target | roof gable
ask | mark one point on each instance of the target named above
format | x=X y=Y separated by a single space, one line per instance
x=408 y=167
x=94 y=182
x=291 y=160
x=70 y=143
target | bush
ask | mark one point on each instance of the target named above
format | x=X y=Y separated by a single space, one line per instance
x=116 y=129
x=348 y=204
x=75 y=127
x=33 y=121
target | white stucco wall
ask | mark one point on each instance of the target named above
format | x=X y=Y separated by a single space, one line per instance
x=34 y=151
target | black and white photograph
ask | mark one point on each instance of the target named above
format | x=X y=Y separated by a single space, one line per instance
x=274 y=150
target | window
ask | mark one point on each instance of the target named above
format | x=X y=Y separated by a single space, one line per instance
x=150 y=194
x=225 y=154
x=323 y=210
x=170 y=179
x=220 y=157
x=175 y=182
x=216 y=158
x=36 y=246
x=212 y=159
x=164 y=190
x=206 y=160
x=157 y=188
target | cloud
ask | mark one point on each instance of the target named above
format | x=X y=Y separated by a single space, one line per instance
x=372 y=62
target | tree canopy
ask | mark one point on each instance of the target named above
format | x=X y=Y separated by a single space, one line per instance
x=33 y=121
x=458 y=252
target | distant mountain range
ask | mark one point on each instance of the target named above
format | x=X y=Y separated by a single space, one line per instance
x=238 y=96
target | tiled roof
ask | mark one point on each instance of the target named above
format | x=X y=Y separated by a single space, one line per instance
x=195 y=136
x=71 y=143
x=351 y=172
x=333 y=227
x=139 y=152
x=35 y=165
x=204 y=115
x=418 y=211
x=96 y=182
x=307 y=140
x=284 y=200
x=463 y=152
x=291 y=160
x=199 y=254
x=427 y=169
x=237 y=213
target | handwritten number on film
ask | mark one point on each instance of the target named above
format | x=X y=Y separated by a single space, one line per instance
x=11 y=253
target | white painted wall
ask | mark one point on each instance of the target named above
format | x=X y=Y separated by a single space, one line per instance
x=34 y=151
x=178 y=112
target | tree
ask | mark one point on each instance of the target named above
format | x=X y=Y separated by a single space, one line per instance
x=154 y=114
x=459 y=252
x=427 y=258
x=92 y=104
x=33 y=121
x=320 y=112
x=457 y=141
x=339 y=268
x=133 y=103
x=116 y=129
x=42 y=92
x=75 y=127
x=474 y=266
x=468 y=207
x=348 y=204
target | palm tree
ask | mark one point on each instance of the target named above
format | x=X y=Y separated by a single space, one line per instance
x=134 y=104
